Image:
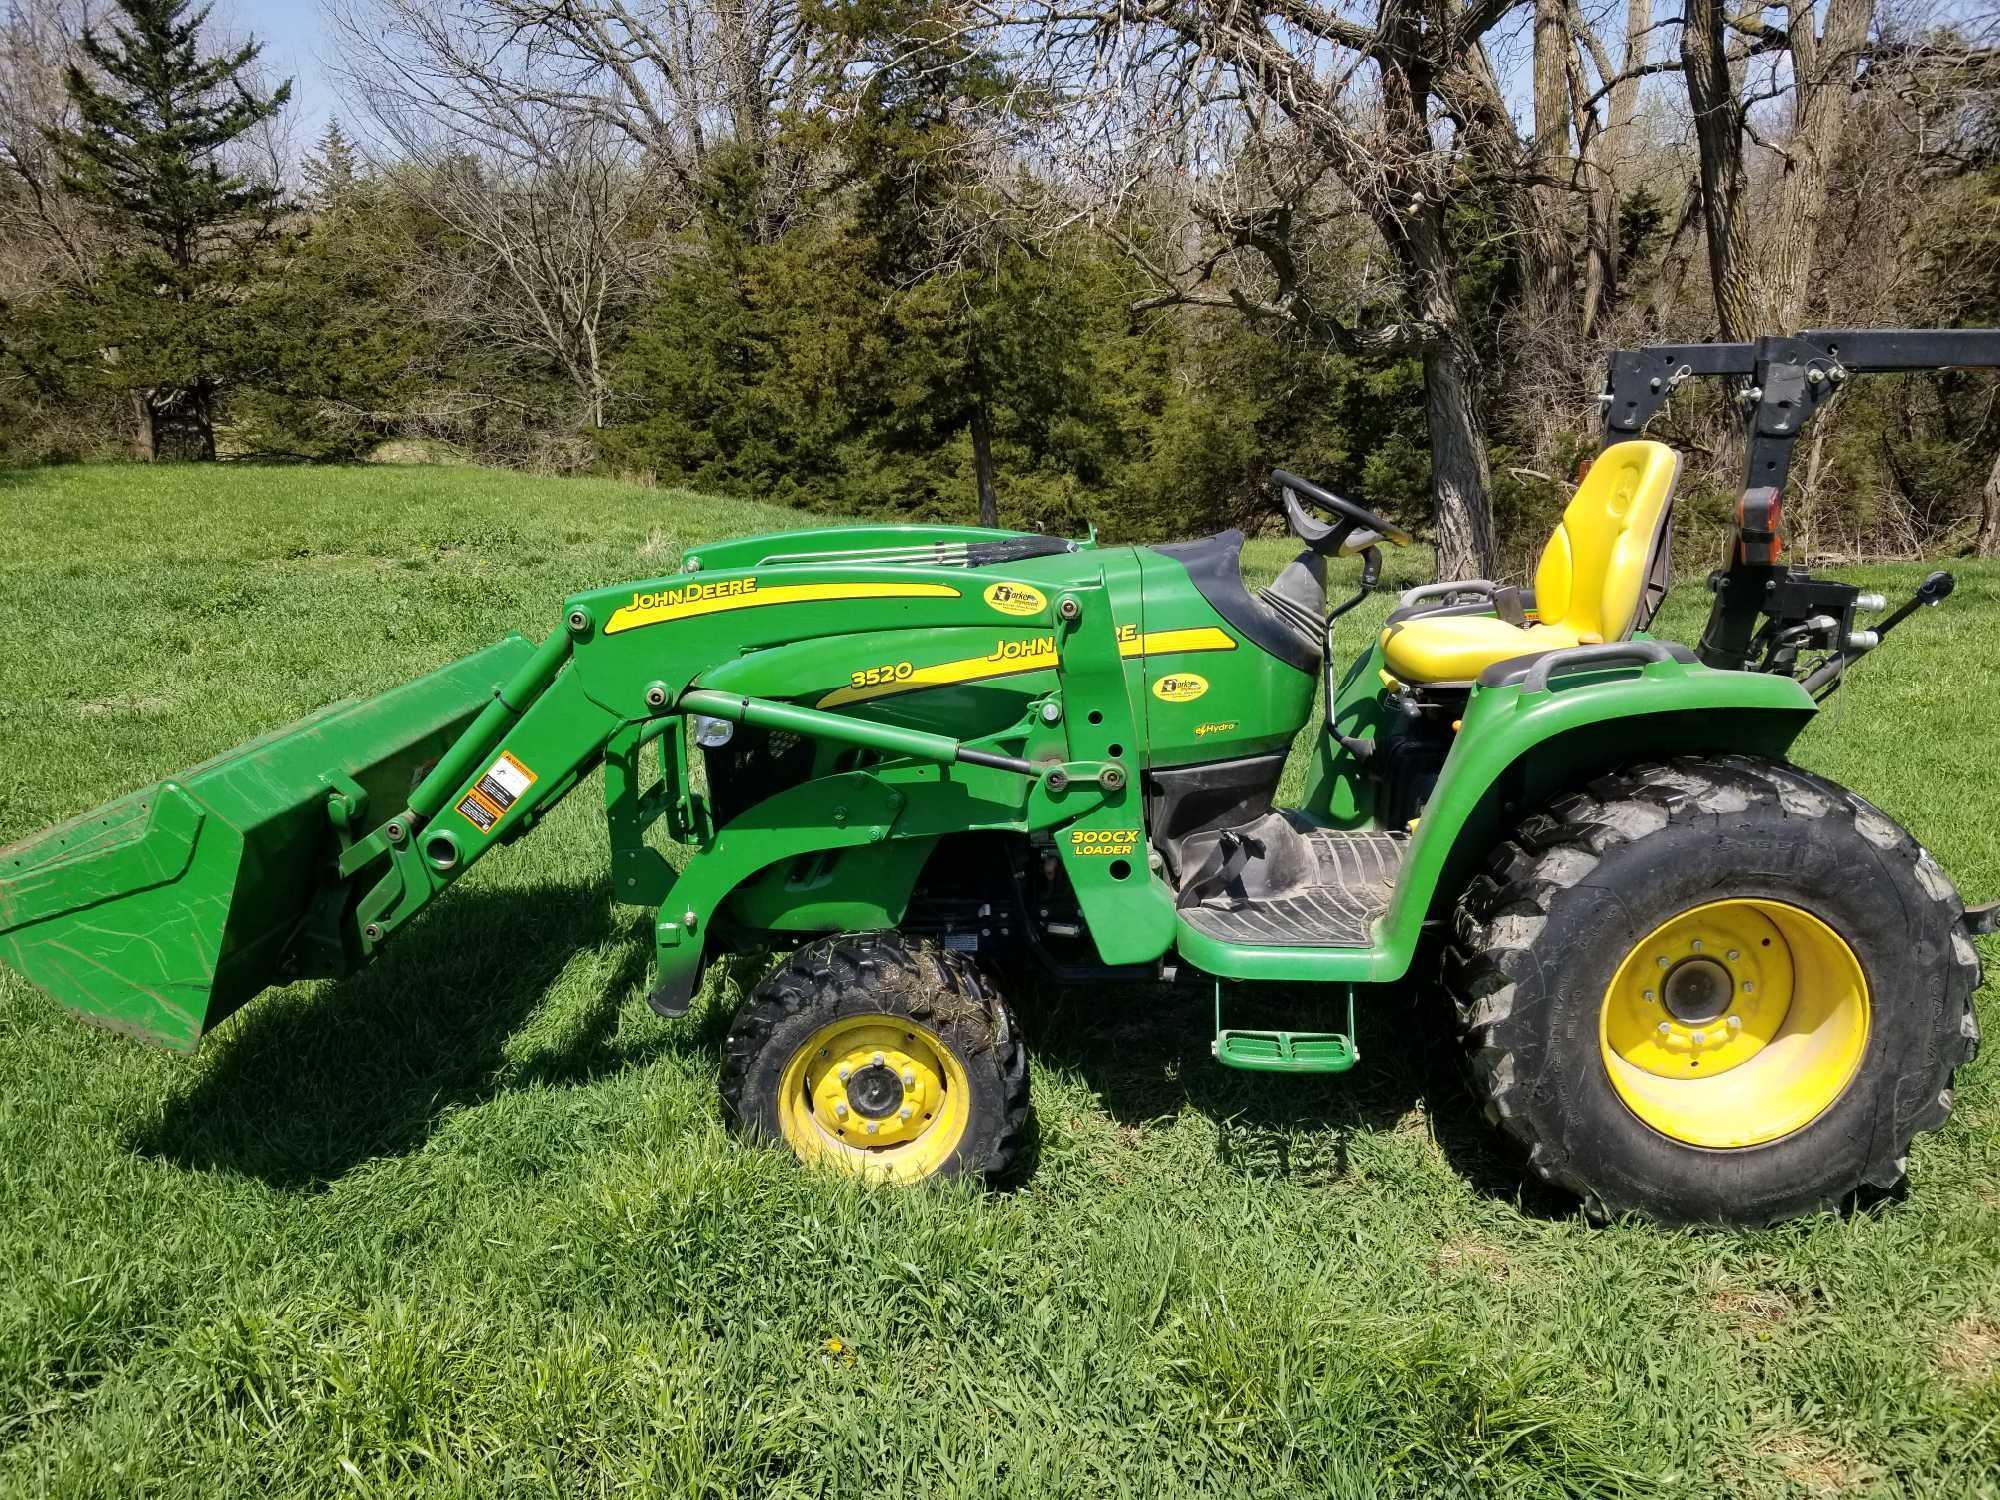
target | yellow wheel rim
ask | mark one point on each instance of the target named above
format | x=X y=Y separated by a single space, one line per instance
x=880 y=1096
x=1735 y=1023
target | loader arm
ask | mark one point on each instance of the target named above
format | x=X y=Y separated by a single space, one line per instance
x=372 y=824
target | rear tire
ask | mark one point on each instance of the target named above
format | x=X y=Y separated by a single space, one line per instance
x=878 y=1030
x=1588 y=1002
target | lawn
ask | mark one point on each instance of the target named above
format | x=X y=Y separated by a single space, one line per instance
x=469 y=1222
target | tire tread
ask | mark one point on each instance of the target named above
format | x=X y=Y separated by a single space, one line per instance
x=1504 y=909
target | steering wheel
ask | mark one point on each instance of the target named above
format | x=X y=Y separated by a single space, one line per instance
x=1355 y=530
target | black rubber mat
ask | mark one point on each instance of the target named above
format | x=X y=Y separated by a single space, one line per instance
x=1353 y=876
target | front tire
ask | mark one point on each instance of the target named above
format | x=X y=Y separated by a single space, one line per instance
x=1715 y=990
x=880 y=1056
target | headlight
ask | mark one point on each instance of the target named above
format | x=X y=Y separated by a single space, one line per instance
x=712 y=734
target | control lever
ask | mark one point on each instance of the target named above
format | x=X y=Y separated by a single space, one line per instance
x=1371 y=574
x=1933 y=591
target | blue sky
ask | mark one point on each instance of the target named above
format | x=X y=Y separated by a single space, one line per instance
x=293 y=43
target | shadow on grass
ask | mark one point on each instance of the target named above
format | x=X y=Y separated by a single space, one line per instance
x=1145 y=1052
x=306 y=1087
x=303 y=1088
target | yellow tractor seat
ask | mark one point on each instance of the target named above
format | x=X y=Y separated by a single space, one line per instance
x=1599 y=579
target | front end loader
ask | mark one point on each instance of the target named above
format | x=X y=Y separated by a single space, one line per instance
x=1694 y=981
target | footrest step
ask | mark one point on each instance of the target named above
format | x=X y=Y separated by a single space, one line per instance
x=1285 y=1051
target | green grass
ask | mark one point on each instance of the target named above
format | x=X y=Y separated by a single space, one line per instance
x=469 y=1222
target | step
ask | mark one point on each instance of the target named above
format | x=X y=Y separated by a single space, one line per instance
x=1285 y=1051
x=1311 y=887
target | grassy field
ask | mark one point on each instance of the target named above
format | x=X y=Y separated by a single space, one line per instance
x=469 y=1222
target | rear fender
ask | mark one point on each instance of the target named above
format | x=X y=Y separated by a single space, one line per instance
x=1517 y=750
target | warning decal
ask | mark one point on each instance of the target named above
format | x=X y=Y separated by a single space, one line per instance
x=478 y=812
x=502 y=785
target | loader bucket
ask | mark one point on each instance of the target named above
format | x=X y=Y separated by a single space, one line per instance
x=164 y=911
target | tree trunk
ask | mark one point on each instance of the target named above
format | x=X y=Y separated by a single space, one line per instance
x=1549 y=273
x=145 y=429
x=1987 y=543
x=1823 y=67
x=1718 y=129
x=201 y=401
x=1410 y=215
x=1461 y=482
x=1613 y=151
x=982 y=462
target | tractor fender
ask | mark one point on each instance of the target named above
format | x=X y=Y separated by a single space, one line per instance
x=862 y=815
x=1518 y=749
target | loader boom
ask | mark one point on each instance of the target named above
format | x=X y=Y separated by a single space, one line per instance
x=488 y=746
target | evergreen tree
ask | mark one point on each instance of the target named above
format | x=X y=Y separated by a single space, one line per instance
x=155 y=117
x=333 y=169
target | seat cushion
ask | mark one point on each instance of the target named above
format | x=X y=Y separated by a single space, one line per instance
x=1457 y=648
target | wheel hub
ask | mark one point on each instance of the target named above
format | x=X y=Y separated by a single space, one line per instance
x=1703 y=994
x=1697 y=990
x=1735 y=1022
x=879 y=1091
x=875 y=1091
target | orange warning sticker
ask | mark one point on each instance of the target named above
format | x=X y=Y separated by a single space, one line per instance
x=496 y=791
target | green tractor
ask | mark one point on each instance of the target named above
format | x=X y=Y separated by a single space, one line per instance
x=1693 y=981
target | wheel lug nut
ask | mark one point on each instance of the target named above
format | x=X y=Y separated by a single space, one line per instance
x=1650 y=995
x=1665 y=961
x=1734 y=954
x=1700 y=1037
x=1695 y=946
x=1749 y=985
x=906 y=1111
x=1735 y=1023
x=876 y=1059
x=840 y=1110
x=909 y=1078
x=845 y=1074
x=872 y=1127
x=1665 y=1029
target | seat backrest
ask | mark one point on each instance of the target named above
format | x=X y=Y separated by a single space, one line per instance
x=1596 y=573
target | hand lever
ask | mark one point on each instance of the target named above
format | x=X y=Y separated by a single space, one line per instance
x=1933 y=591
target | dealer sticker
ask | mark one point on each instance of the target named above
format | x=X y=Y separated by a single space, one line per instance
x=1016 y=598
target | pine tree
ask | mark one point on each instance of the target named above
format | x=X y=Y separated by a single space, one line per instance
x=333 y=169
x=154 y=118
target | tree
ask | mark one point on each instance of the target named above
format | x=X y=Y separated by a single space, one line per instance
x=333 y=168
x=676 y=81
x=1390 y=118
x=148 y=153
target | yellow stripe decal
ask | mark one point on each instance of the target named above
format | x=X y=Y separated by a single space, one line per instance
x=1031 y=656
x=1034 y=656
x=1163 y=642
x=690 y=600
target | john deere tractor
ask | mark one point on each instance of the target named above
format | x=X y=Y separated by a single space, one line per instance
x=1693 y=981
